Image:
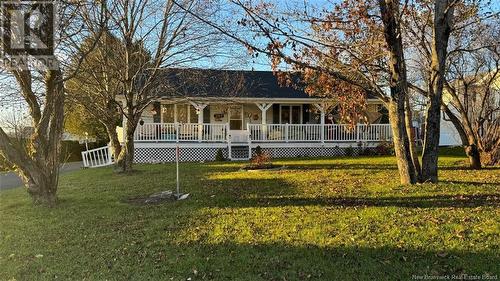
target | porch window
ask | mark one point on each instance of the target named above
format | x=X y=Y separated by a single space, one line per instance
x=168 y=113
x=295 y=117
x=186 y=113
x=193 y=117
x=182 y=113
x=285 y=114
x=236 y=118
x=291 y=114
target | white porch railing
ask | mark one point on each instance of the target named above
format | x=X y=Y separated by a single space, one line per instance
x=181 y=132
x=318 y=132
x=193 y=132
x=98 y=157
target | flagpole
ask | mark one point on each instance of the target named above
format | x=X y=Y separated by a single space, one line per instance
x=177 y=164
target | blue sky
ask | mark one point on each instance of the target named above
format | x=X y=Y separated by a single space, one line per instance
x=261 y=63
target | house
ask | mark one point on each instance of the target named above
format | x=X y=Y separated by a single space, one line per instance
x=475 y=104
x=236 y=111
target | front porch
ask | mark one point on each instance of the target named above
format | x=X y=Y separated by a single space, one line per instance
x=281 y=127
x=248 y=121
x=156 y=142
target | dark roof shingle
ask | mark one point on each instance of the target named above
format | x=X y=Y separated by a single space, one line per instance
x=224 y=83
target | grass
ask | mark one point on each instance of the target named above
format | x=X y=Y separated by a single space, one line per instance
x=320 y=219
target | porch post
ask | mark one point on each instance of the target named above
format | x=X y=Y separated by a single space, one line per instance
x=177 y=129
x=263 y=109
x=321 y=108
x=228 y=140
x=199 y=110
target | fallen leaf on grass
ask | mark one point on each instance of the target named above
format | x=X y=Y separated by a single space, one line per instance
x=442 y=254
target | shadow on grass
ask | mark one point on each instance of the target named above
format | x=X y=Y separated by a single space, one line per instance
x=263 y=261
x=436 y=201
x=467 y=168
x=356 y=166
x=280 y=261
x=243 y=187
x=477 y=183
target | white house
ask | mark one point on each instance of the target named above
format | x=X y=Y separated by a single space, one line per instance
x=284 y=121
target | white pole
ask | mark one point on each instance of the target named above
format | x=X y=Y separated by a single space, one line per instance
x=86 y=141
x=177 y=164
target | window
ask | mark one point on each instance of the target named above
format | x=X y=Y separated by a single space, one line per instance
x=193 y=117
x=295 y=118
x=182 y=113
x=285 y=114
x=186 y=113
x=168 y=113
x=291 y=114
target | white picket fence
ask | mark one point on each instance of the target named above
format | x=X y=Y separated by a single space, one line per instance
x=98 y=157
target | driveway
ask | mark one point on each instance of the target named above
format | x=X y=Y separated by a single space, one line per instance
x=10 y=180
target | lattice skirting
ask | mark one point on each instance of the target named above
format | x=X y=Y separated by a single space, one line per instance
x=295 y=152
x=187 y=154
x=167 y=154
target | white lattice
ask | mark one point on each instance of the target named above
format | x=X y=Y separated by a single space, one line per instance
x=167 y=154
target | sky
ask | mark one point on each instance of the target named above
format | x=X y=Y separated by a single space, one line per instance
x=260 y=63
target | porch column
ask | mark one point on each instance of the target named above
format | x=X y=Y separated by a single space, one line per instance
x=199 y=110
x=263 y=109
x=321 y=108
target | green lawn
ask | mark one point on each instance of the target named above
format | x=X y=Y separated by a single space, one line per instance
x=323 y=219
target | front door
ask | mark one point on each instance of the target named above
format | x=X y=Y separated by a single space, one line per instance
x=238 y=134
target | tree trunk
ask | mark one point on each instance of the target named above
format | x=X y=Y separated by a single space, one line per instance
x=471 y=149
x=443 y=17
x=401 y=144
x=125 y=159
x=412 y=142
x=41 y=184
x=474 y=156
x=116 y=146
x=389 y=9
x=432 y=129
x=38 y=162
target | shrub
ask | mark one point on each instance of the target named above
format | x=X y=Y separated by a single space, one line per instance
x=349 y=151
x=219 y=156
x=261 y=160
x=258 y=150
x=384 y=148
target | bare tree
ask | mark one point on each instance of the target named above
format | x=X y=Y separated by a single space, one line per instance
x=443 y=20
x=40 y=84
x=172 y=38
x=468 y=39
x=97 y=84
x=472 y=103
